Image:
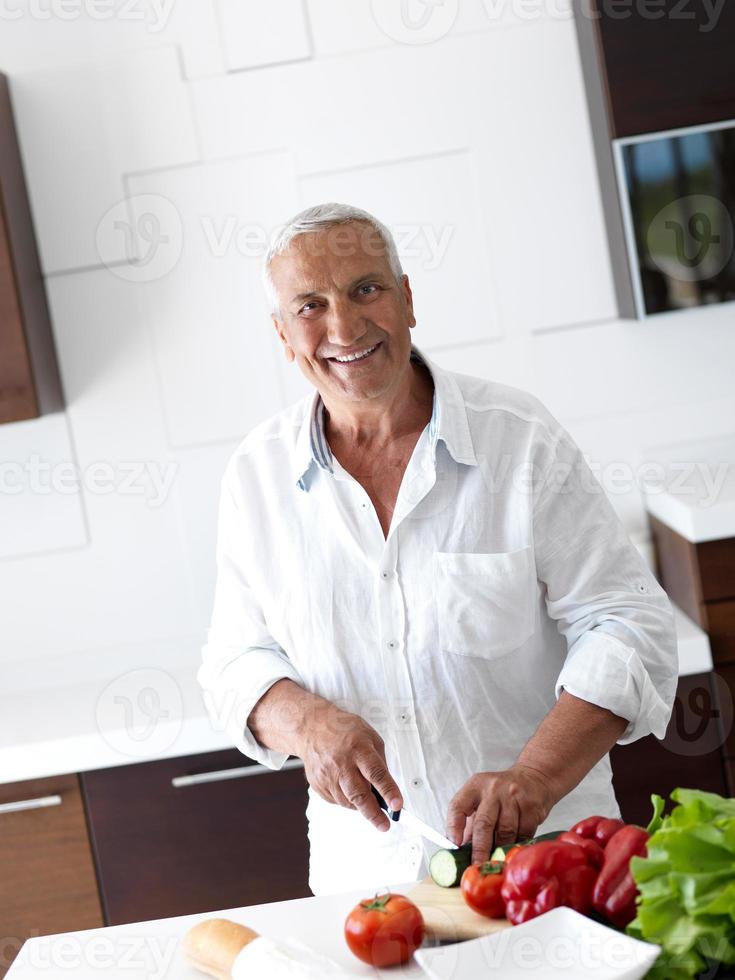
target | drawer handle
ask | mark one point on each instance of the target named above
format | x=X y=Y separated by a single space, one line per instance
x=197 y=778
x=41 y=801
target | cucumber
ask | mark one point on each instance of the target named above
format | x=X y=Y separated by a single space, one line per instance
x=499 y=853
x=447 y=867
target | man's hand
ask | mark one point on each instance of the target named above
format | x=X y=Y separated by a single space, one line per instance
x=343 y=756
x=502 y=807
x=495 y=808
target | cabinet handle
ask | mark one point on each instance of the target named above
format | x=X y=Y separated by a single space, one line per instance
x=37 y=804
x=197 y=778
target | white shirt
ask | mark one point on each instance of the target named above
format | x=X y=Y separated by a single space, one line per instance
x=505 y=576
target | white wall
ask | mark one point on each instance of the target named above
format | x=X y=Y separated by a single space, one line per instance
x=225 y=117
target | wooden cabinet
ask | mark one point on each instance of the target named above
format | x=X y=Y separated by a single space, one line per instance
x=29 y=377
x=197 y=833
x=700 y=578
x=667 y=64
x=690 y=755
x=47 y=876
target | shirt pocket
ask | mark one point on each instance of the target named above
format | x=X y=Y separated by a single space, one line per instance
x=485 y=603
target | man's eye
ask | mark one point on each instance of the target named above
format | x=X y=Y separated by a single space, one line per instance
x=367 y=288
x=307 y=307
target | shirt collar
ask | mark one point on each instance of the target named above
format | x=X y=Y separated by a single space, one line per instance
x=448 y=423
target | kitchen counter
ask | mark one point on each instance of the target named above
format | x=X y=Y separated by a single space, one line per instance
x=72 y=715
x=152 y=950
x=694 y=493
x=75 y=714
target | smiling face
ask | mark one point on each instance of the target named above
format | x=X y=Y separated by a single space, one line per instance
x=338 y=297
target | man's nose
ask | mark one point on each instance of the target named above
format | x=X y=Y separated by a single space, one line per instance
x=345 y=324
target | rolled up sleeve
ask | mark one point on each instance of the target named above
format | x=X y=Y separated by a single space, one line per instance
x=616 y=618
x=241 y=660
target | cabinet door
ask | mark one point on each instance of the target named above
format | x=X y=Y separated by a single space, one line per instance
x=47 y=878
x=29 y=376
x=667 y=68
x=194 y=834
x=690 y=755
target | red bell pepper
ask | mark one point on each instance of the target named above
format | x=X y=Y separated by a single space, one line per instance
x=595 y=853
x=600 y=829
x=615 y=890
x=545 y=875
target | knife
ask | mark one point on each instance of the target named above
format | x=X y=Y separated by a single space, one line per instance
x=414 y=823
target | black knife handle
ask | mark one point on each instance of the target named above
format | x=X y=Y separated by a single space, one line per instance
x=392 y=814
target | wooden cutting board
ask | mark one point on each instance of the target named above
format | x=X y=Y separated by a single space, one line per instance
x=448 y=917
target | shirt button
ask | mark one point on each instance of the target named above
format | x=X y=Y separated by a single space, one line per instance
x=385 y=574
x=416 y=782
x=403 y=716
x=392 y=644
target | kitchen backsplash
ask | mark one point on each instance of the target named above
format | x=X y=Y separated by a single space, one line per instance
x=157 y=168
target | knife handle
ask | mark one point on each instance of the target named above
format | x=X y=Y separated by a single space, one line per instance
x=392 y=814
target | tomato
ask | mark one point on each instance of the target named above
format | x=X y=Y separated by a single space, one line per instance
x=481 y=884
x=384 y=930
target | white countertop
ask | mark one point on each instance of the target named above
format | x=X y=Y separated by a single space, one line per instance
x=73 y=715
x=151 y=950
x=693 y=491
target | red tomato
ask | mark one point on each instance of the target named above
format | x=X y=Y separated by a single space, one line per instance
x=481 y=884
x=384 y=930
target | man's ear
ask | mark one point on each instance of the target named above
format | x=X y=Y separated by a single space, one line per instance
x=280 y=330
x=408 y=296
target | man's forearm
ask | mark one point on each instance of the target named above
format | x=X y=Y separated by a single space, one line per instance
x=282 y=718
x=571 y=739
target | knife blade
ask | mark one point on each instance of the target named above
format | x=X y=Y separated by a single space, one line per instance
x=414 y=823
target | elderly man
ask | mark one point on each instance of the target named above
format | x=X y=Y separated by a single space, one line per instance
x=421 y=586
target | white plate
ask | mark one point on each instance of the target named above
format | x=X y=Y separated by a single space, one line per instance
x=560 y=943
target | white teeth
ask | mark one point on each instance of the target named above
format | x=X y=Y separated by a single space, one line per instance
x=355 y=357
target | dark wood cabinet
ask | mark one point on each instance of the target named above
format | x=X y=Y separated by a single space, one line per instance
x=196 y=834
x=29 y=378
x=700 y=578
x=690 y=755
x=667 y=63
x=47 y=875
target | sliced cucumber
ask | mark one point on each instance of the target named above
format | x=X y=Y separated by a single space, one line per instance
x=447 y=867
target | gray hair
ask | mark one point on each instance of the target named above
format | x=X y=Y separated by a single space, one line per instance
x=320 y=218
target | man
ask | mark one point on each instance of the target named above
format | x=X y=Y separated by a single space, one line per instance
x=421 y=586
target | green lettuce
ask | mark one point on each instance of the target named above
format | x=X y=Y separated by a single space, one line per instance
x=687 y=885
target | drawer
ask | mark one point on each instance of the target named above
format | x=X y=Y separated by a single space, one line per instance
x=47 y=883
x=716 y=560
x=198 y=833
x=721 y=629
x=693 y=574
x=726 y=674
x=678 y=569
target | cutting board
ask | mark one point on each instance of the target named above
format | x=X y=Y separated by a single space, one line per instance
x=448 y=917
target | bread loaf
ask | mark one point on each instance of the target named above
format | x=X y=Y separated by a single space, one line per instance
x=213 y=945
